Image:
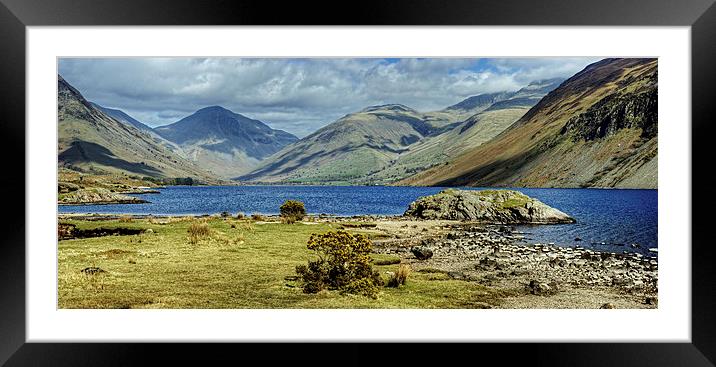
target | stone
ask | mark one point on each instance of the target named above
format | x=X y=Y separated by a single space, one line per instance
x=92 y=270
x=621 y=280
x=487 y=263
x=540 y=288
x=607 y=306
x=422 y=252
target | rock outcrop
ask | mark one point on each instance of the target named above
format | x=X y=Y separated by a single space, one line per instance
x=96 y=196
x=488 y=206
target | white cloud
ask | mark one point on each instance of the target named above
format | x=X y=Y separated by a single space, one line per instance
x=297 y=95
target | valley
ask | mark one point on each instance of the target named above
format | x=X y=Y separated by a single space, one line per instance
x=597 y=128
x=358 y=183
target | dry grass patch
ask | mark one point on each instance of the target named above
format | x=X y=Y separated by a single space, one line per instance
x=113 y=253
x=400 y=276
x=125 y=218
x=198 y=231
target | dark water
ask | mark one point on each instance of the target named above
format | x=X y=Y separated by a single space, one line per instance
x=612 y=217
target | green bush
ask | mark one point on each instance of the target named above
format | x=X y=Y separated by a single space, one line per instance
x=292 y=211
x=343 y=264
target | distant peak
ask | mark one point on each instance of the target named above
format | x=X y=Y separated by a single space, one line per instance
x=546 y=81
x=390 y=106
x=213 y=109
x=542 y=85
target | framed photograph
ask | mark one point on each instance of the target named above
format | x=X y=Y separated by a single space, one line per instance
x=200 y=173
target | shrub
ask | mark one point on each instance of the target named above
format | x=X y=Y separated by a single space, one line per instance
x=400 y=276
x=343 y=264
x=257 y=217
x=197 y=231
x=288 y=220
x=292 y=211
x=225 y=214
x=240 y=215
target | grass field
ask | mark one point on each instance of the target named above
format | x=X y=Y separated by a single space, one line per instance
x=240 y=264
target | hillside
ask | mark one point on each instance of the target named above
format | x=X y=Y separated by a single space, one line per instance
x=223 y=142
x=383 y=144
x=348 y=149
x=90 y=141
x=122 y=117
x=490 y=120
x=597 y=129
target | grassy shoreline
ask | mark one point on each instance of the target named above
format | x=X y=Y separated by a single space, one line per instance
x=242 y=267
x=245 y=263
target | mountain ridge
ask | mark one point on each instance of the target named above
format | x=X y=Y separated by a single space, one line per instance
x=225 y=142
x=122 y=116
x=546 y=147
x=376 y=138
x=91 y=141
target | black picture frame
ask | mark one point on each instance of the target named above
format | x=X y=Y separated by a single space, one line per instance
x=16 y=15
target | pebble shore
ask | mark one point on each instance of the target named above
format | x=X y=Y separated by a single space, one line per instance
x=497 y=255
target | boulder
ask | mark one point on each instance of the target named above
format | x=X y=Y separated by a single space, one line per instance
x=422 y=252
x=541 y=288
x=488 y=206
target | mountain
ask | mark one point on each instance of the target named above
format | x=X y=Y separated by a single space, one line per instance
x=525 y=97
x=348 y=149
x=225 y=143
x=597 y=129
x=91 y=141
x=383 y=144
x=122 y=117
x=386 y=143
x=496 y=112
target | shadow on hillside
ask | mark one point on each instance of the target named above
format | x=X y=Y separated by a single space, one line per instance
x=85 y=152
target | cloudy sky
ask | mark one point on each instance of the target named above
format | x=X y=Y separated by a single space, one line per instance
x=297 y=95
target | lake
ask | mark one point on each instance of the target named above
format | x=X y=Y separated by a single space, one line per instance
x=607 y=219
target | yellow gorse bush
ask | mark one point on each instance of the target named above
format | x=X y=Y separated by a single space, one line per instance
x=343 y=264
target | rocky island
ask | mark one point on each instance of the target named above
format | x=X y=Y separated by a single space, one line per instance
x=96 y=195
x=486 y=206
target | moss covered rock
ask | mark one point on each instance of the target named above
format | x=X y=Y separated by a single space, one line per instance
x=489 y=206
